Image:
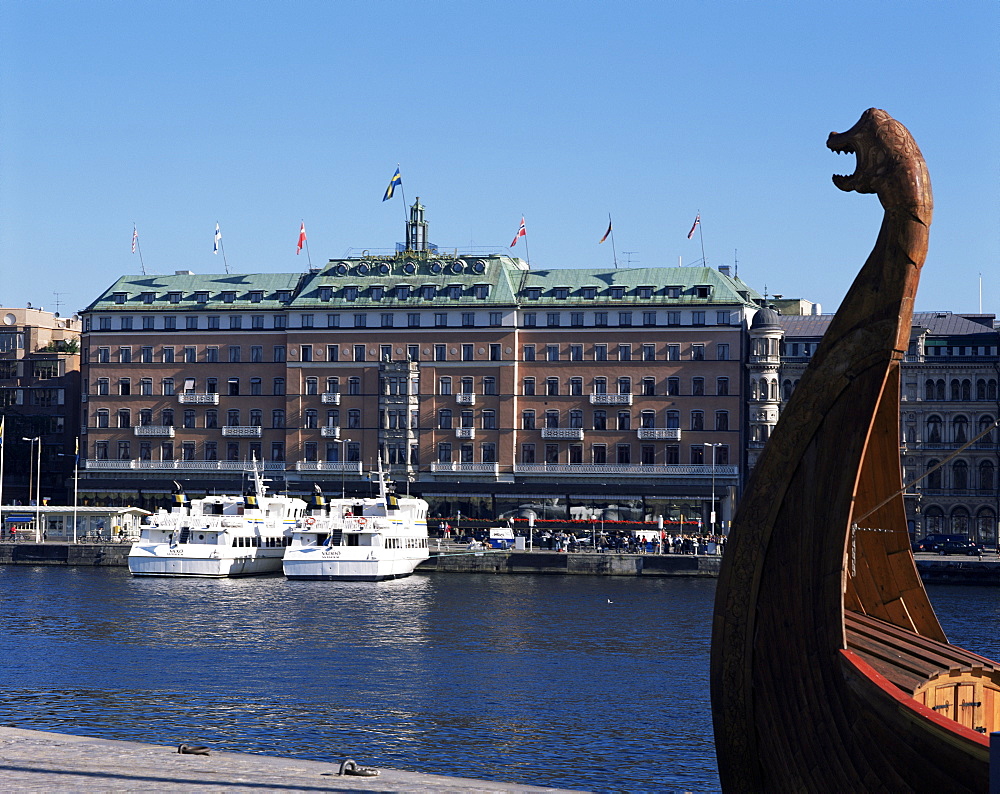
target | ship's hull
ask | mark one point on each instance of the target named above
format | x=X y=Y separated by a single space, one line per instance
x=162 y=560
x=337 y=564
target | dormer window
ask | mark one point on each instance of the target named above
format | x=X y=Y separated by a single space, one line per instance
x=533 y=293
x=120 y=297
x=454 y=291
x=148 y=297
x=560 y=293
x=481 y=291
x=256 y=296
x=402 y=292
x=201 y=297
x=350 y=293
x=703 y=291
x=673 y=292
x=377 y=292
x=427 y=291
x=284 y=295
x=617 y=293
x=589 y=293
x=228 y=296
x=646 y=292
x=175 y=297
x=325 y=293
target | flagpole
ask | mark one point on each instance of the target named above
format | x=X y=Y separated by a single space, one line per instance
x=222 y=247
x=406 y=210
x=701 y=236
x=138 y=248
x=527 y=256
x=614 y=253
x=308 y=255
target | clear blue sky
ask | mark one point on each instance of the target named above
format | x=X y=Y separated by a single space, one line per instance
x=175 y=115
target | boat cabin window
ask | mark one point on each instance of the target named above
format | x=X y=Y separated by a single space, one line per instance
x=352 y=539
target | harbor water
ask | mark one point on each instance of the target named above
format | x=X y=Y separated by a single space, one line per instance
x=581 y=682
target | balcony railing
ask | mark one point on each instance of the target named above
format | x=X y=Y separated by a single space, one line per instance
x=159 y=431
x=465 y=432
x=610 y=399
x=181 y=465
x=242 y=431
x=347 y=466
x=659 y=434
x=465 y=399
x=625 y=469
x=331 y=398
x=191 y=398
x=569 y=433
x=465 y=468
x=329 y=431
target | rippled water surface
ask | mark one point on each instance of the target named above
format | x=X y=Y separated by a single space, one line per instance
x=536 y=679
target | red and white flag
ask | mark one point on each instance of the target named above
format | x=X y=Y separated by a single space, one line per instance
x=135 y=238
x=694 y=225
x=520 y=232
x=302 y=239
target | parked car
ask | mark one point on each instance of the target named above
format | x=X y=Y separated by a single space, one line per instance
x=963 y=546
x=948 y=544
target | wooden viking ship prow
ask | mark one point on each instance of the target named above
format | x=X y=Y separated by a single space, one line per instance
x=830 y=671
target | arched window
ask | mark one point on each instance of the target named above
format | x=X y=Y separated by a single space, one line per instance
x=647 y=419
x=934 y=429
x=933 y=520
x=697 y=420
x=960 y=428
x=312 y=385
x=774 y=390
x=986 y=478
x=991 y=390
x=673 y=420
x=966 y=390
x=786 y=389
x=985 y=422
x=986 y=525
x=981 y=389
x=625 y=385
x=929 y=390
x=960 y=523
x=552 y=419
x=311 y=419
x=956 y=390
x=444 y=419
x=940 y=389
x=600 y=385
x=960 y=475
x=576 y=418
x=722 y=420
x=753 y=388
x=552 y=386
x=933 y=479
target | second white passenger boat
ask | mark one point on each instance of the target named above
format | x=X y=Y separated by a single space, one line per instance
x=217 y=536
x=382 y=537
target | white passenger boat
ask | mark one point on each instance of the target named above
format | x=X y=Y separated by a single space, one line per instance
x=217 y=536
x=383 y=537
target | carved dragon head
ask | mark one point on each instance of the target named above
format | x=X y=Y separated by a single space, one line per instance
x=889 y=163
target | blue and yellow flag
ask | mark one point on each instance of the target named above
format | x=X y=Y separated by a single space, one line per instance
x=396 y=180
x=2 y=418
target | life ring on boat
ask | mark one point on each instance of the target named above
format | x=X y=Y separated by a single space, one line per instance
x=310 y=521
x=362 y=521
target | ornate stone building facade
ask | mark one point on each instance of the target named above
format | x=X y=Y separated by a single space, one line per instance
x=949 y=398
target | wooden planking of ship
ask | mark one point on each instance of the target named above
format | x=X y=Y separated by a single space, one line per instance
x=829 y=670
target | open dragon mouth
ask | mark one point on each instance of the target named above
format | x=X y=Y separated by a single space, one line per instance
x=841 y=180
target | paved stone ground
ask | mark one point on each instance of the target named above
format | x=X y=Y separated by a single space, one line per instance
x=37 y=761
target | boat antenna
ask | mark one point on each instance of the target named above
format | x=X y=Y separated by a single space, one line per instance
x=930 y=471
x=259 y=487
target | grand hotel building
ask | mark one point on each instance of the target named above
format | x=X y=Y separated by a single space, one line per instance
x=489 y=388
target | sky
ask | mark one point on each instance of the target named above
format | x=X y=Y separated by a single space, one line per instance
x=174 y=116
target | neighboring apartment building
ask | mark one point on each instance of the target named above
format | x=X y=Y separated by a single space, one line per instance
x=39 y=403
x=485 y=386
x=949 y=396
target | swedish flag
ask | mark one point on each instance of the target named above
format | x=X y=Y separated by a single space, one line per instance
x=396 y=180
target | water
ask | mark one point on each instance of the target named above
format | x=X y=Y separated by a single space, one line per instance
x=535 y=679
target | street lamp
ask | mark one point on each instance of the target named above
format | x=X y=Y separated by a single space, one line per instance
x=712 y=511
x=343 y=468
x=38 y=484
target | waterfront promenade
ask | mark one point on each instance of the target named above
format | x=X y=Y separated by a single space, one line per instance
x=458 y=558
x=40 y=761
